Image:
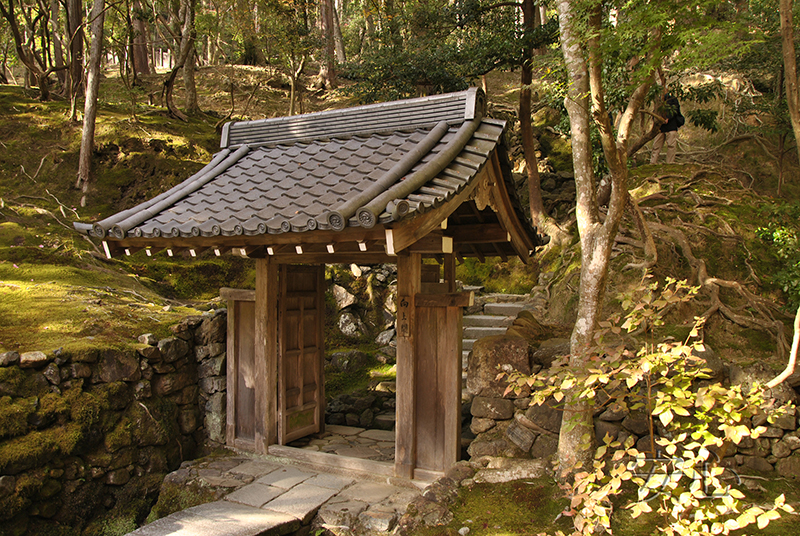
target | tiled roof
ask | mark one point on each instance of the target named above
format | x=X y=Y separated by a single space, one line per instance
x=361 y=166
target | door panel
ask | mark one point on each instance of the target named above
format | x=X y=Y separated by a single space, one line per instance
x=301 y=400
x=245 y=370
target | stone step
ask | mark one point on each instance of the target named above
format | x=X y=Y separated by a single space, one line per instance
x=464 y=359
x=479 y=332
x=466 y=344
x=487 y=321
x=507 y=298
x=505 y=309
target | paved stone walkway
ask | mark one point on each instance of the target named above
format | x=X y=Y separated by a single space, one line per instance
x=275 y=496
x=351 y=441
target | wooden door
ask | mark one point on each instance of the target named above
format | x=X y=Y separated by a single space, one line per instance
x=301 y=397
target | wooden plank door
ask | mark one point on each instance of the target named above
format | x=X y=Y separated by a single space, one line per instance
x=301 y=396
x=437 y=391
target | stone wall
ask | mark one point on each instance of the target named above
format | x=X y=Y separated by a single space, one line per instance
x=86 y=437
x=507 y=425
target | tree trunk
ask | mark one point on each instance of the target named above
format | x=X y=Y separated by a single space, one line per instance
x=341 y=55
x=327 y=69
x=140 y=63
x=189 y=34
x=526 y=128
x=24 y=53
x=790 y=69
x=90 y=107
x=574 y=450
x=186 y=43
x=58 y=50
x=75 y=32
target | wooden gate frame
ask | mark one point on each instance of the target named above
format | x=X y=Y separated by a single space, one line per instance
x=413 y=447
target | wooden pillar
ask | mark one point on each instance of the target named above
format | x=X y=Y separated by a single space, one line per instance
x=409 y=283
x=450 y=271
x=266 y=354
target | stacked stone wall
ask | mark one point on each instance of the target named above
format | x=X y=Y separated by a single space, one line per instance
x=507 y=425
x=88 y=436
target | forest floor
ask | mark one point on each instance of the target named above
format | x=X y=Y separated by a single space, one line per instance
x=706 y=214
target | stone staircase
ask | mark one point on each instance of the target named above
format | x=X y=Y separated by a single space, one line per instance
x=492 y=315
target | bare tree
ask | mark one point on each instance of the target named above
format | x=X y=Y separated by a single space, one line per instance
x=92 y=90
x=790 y=68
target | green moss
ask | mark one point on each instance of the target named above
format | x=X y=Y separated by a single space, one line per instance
x=515 y=508
x=14 y=416
x=174 y=498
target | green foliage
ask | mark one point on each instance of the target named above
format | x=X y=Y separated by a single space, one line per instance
x=782 y=240
x=669 y=382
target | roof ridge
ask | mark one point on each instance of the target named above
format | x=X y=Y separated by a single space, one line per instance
x=408 y=114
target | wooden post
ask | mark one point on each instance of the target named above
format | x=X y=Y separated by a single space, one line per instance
x=409 y=283
x=450 y=271
x=266 y=354
x=231 y=373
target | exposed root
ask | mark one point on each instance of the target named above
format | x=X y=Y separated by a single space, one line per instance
x=761 y=317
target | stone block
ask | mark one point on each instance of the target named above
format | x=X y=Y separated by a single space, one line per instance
x=510 y=353
x=546 y=415
x=480 y=425
x=301 y=502
x=213 y=366
x=545 y=446
x=789 y=467
x=637 y=423
x=377 y=521
x=167 y=384
x=33 y=360
x=520 y=436
x=173 y=348
x=8 y=359
x=492 y=408
x=255 y=494
x=214 y=384
x=603 y=428
x=757 y=463
x=115 y=366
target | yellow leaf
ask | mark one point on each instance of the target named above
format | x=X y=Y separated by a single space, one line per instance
x=666 y=418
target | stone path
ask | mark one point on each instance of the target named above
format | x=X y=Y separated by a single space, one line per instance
x=267 y=495
x=351 y=441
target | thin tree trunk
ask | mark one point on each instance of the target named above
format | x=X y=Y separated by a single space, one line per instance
x=341 y=55
x=58 y=50
x=35 y=68
x=75 y=31
x=90 y=107
x=525 y=126
x=790 y=69
x=573 y=449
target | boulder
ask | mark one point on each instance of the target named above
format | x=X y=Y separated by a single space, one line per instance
x=508 y=470
x=545 y=446
x=385 y=337
x=148 y=339
x=480 y=425
x=789 y=467
x=489 y=356
x=549 y=350
x=349 y=361
x=351 y=325
x=212 y=330
x=343 y=298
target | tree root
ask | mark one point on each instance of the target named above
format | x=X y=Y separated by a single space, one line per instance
x=762 y=320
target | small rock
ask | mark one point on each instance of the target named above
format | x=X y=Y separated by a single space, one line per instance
x=385 y=337
x=52 y=373
x=463 y=531
x=9 y=358
x=480 y=425
x=33 y=359
x=356 y=270
x=148 y=338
